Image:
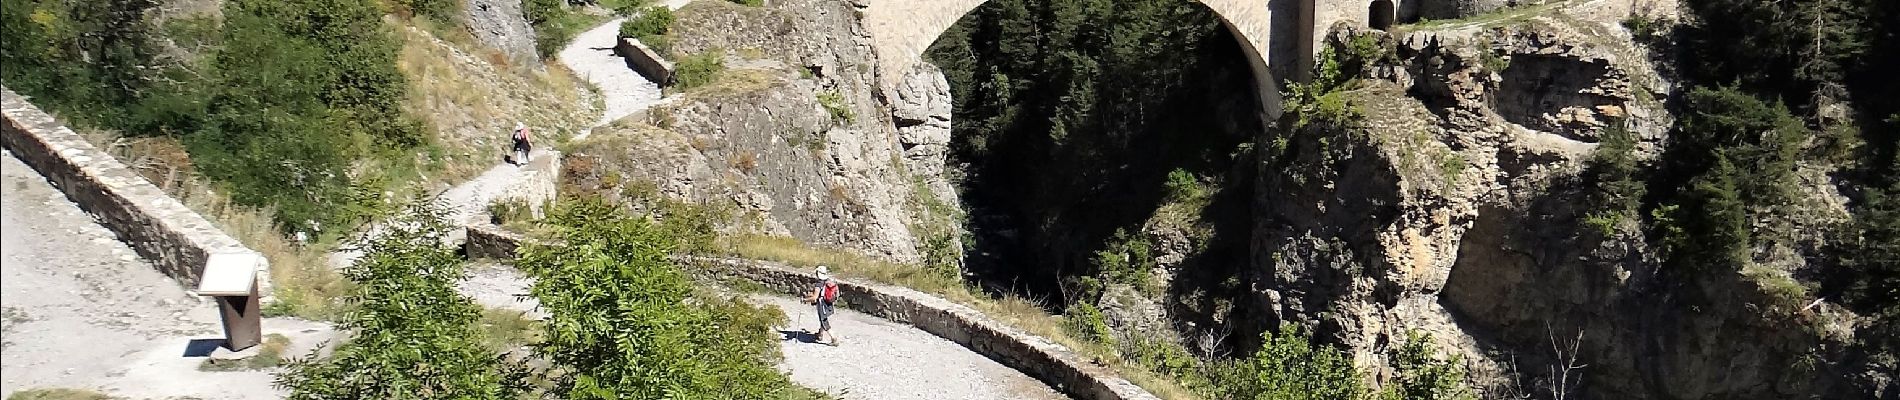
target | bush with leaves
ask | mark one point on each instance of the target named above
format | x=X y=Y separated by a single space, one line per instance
x=699 y=70
x=628 y=324
x=413 y=335
x=653 y=21
x=1289 y=367
x=1423 y=374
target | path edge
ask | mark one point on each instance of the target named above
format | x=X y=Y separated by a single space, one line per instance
x=178 y=241
x=1036 y=356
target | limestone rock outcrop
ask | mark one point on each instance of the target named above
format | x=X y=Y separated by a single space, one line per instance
x=501 y=25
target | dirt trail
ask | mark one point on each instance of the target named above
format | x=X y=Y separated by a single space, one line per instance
x=82 y=310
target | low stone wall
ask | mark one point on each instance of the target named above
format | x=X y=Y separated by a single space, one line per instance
x=1036 y=356
x=644 y=60
x=162 y=230
x=486 y=240
x=1053 y=363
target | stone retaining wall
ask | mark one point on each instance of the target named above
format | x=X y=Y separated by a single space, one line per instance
x=1036 y=356
x=1051 y=362
x=162 y=230
x=644 y=60
x=486 y=240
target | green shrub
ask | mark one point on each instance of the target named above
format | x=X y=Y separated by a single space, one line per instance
x=654 y=21
x=1183 y=186
x=1086 y=322
x=413 y=335
x=440 y=10
x=699 y=69
x=1423 y=374
x=1288 y=367
x=748 y=3
x=834 y=103
x=554 y=24
x=663 y=338
x=1126 y=259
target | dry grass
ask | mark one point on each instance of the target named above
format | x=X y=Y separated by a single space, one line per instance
x=508 y=330
x=734 y=82
x=1030 y=315
x=303 y=283
x=270 y=354
x=471 y=98
x=58 y=394
x=746 y=161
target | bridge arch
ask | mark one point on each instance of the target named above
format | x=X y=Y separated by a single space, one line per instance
x=1277 y=36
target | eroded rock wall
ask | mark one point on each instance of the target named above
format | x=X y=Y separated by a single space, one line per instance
x=796 y=134
x=1456 y=206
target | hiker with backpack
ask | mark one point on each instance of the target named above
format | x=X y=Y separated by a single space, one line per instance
x=825 y=296
x=522 y=144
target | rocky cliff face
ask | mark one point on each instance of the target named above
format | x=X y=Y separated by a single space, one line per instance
x=500 y=24
x=795 y=133
x=1455 y=206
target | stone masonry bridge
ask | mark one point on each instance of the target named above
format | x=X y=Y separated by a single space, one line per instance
x=1276 y=35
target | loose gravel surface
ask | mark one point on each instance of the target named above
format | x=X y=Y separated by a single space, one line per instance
x=81 y=310
x=591 y=56
x=880 y=359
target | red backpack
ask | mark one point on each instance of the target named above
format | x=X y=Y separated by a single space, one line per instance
x=831 y=292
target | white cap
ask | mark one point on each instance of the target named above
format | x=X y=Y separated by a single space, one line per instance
x=520 y=126
x=824 y=274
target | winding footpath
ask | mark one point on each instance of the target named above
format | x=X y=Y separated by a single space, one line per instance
x=879 y=359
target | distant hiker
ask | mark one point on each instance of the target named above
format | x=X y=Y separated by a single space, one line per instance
x=523 y=144
x=825 y=296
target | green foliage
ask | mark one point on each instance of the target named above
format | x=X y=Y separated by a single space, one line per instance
x=1709 y=232
x=502 y=212
x=1763 y=137
x=834 y=103
x=440 y=10
x=413 y=336
x=699 y=69
x=628 y=324
x=554 y=24
x=1870 y=269
x=653 y=21
x=694 y=227
x=1183 y=186
x=1493 y=61
x=1084 y=321
x=748 y=3
x=1618 y=188
x=1126 y=259
x=1288 y=367
x=83 y=59
x=1423 y=374
x=1323 y=100
x=287 y=96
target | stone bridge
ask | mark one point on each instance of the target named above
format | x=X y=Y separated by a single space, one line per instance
x=1277 y=35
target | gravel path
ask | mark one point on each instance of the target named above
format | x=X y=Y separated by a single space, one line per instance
x=82 y=310
x=591 y=56
x=880 y=359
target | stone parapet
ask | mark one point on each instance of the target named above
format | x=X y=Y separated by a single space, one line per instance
x=486 y=240
x=1039 y=357
x=1036 y=356
x=644 y=60
x=174 y=238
